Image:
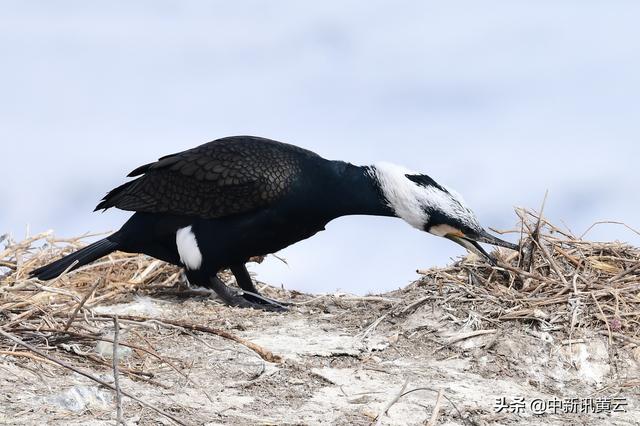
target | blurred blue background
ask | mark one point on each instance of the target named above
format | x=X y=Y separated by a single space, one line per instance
x=500 y=100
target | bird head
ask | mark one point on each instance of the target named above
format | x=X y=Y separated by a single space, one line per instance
x=424 y=204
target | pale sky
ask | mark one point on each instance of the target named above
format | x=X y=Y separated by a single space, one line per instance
x=500 y=100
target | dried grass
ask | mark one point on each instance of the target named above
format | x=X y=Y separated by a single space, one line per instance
x=52 y=317
x=559 y=281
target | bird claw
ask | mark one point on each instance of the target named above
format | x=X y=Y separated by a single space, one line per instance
x=258 y=301
x=247 y=299
x=240 y=298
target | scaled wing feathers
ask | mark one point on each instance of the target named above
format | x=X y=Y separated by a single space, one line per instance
x=220 y=178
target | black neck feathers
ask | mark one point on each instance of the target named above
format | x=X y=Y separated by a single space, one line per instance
x=357 y=192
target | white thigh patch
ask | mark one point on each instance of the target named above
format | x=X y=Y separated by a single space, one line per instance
x=188 y=248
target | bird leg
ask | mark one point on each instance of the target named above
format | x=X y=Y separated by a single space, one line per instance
x=243 y=278
x=228 y=295
x=251 y=293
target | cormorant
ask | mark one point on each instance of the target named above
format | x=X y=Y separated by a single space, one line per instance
x=216 y=205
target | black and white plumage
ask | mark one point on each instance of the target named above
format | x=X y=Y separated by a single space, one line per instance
x=216 y=205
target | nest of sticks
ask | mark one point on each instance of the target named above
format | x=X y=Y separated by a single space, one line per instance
x=558 y=281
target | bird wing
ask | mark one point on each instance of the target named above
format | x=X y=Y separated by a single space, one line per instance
x=221 y=178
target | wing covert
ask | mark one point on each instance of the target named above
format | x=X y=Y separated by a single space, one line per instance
x=225 y=177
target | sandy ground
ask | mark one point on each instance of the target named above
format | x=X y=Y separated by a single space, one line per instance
x=344 y=360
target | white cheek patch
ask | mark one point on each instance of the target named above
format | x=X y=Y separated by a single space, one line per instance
x=402 y=194
x=188 y=248
x=412 y=201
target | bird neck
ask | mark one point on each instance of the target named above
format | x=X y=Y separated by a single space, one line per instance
x=358 y=192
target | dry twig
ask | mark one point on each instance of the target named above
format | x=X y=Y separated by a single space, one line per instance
x=264 y=353
x=390 y=403
x=116 y=380
x=436 y=409
x=87 y=375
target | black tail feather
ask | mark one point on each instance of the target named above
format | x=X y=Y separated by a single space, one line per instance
x=85 y=255
x=115 y=195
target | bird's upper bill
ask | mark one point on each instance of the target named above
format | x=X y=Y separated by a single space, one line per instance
x=470 y=242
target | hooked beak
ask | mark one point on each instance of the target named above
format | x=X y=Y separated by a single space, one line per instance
x=470 y=242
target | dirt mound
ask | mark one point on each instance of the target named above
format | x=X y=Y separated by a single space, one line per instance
x=547 y=337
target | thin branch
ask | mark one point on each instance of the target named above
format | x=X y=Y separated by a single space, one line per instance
x=436 y=409
x=625 y=272
x=604 y=318
x=526 y=274
x=116 y=380
x=264 y=353
x=464 y=336
x=390 y=403
x=87 y=375
x=553 y=263
x=609 y=222
x=151 y=351
x=82 y=302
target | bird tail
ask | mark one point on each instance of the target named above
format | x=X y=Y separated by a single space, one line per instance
x=83 y=256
